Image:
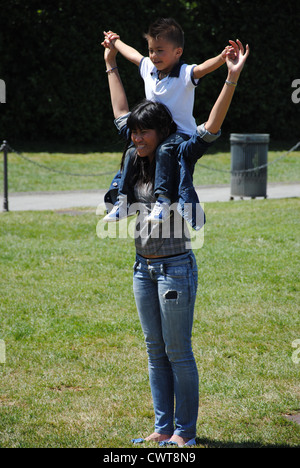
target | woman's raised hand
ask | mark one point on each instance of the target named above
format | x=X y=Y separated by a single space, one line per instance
x=110 y=51
x=235 y=62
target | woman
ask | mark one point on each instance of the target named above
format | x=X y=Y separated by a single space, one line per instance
x=165 y=272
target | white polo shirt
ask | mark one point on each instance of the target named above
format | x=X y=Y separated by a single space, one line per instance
x=176 y=91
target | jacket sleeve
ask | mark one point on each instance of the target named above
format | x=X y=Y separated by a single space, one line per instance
x=121 y=124
x=111 y=196
x=194 y=148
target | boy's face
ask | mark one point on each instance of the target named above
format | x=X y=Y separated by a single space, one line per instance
x=163 y=54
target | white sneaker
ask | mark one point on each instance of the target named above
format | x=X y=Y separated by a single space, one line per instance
x=119 y=211
x=160 y=213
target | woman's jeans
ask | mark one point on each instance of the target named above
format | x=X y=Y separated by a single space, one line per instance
x=165 y=292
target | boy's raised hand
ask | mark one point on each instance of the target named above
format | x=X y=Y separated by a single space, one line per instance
x=111 y=36
x=228 y=52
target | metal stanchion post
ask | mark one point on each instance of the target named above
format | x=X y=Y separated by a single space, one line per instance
x=5 y=176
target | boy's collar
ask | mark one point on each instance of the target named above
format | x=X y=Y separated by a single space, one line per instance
x=175 y=72
x=176 y=69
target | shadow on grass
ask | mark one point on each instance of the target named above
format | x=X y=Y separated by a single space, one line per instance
x=208 y=443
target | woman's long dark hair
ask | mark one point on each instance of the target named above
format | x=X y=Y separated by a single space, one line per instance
x=148 y=115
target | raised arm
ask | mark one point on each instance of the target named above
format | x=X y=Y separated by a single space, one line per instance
x=221 y=106
x=127 y=51
x=208 y=66
x=117 y=93
x=211 y=64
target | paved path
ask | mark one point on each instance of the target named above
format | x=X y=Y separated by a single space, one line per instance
x=40 y=201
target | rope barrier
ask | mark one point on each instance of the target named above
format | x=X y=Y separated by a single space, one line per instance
x=52 y=169
x=6 y=148
x=257 y=168
x=58 y=171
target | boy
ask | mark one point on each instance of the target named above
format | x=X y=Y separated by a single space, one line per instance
x=170 y=81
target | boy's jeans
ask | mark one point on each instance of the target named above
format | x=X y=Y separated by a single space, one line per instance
x=166 y=173
x=165 y=293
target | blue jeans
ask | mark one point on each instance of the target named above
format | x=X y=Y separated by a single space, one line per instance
x=165 y=292
x=167 y=166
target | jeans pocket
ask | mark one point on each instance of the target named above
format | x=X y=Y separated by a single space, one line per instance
x=179 y=272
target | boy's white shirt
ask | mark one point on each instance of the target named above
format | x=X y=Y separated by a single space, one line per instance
x=177 y=93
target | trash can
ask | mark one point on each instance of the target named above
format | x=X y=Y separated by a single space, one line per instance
x=248 y=153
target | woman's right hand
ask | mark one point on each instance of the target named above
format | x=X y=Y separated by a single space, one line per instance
x=110 y=51
x=111 y=36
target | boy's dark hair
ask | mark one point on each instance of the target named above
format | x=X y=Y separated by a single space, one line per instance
x=168 y=29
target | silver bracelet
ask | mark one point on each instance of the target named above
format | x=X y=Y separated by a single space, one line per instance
x=230 y=83
x=111 y=70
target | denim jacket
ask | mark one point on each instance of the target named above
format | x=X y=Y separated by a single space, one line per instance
x=188 y=153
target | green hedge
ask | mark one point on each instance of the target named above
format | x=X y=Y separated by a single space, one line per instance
x=52 y=62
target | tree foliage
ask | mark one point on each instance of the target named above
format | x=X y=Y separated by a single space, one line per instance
x=52 y=63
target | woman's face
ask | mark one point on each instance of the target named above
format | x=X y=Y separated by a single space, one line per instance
x=145 y=142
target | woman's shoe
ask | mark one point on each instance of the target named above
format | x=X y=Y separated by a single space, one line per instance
x=138 y=441
x=155 y=438
x=189 y=443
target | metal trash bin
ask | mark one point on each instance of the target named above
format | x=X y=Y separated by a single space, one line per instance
x=248 y=152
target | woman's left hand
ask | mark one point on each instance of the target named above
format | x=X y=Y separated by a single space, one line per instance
x=235 y=62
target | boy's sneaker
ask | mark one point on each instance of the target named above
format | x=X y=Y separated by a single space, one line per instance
x=160 y=213
x=119 y=211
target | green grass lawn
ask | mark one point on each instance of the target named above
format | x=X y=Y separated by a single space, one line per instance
x=24 y=176
x=76 y=369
